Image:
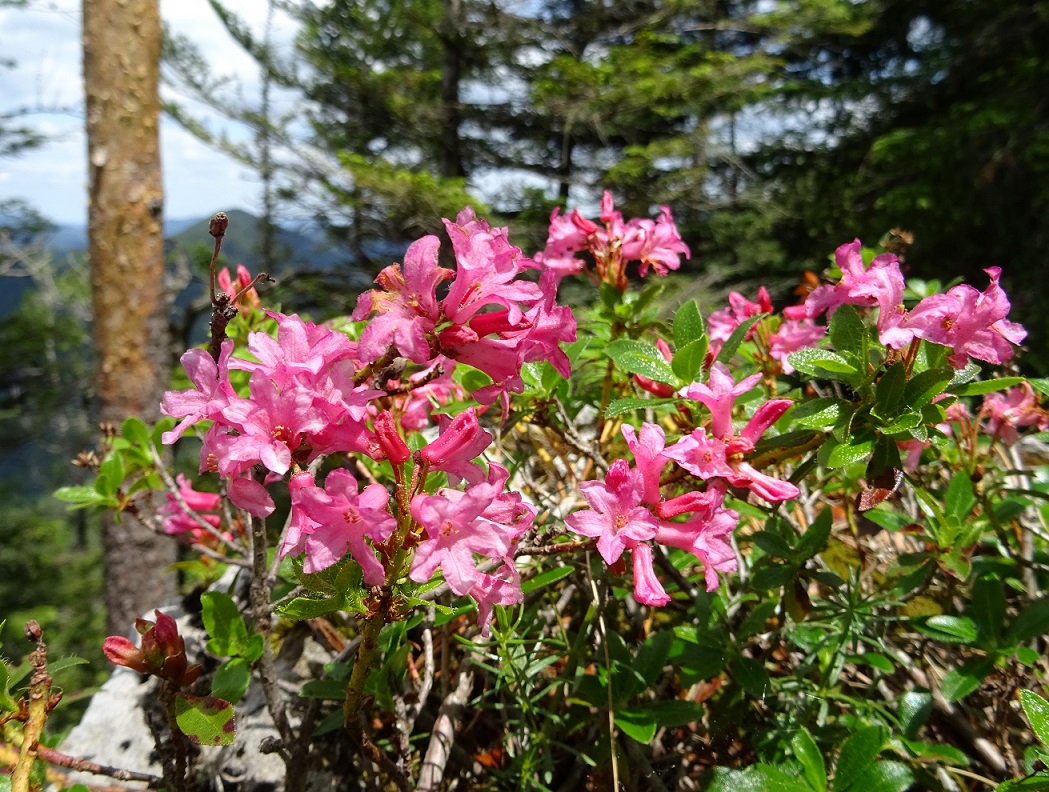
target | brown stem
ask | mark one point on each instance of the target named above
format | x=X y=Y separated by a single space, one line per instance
x=175 y=760
x=39 y=694
x=86 y=766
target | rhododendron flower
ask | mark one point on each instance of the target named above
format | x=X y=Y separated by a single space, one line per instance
x=719 y=394
x=461 y=441
x=487 y=268
x=483 y=520
x=647 y=588
x=706 y=534
x=390 y=441
x=648 y=457
x=971 y=323
x=405 y=309
x=162 y=653
x=880 y=284
x=1015 y=408
x=616 y=517
x=501 y=588
x=212 y=394
x=205 y=504
x=301 y=352
x=325 y=523
x=723 y=323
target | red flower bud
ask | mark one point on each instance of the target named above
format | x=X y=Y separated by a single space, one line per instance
x=390 y=441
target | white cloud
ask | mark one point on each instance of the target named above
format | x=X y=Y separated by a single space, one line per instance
x=44 y=42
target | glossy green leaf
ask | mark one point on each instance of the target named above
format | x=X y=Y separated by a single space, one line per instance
x=924 y=387
x=857 y=754
x=638 y=725
x=308 y=608
x=959 y=499
x=818 y=413
x=846 y=454
x=620 y=406
x=822 y=363
x=1036 y=709
x=847 y=331
x=688 y=360
x=883 y=776
x=135 y=431
x=914 y=710
x=888 y=394
x=986 y=386
x=949 y=629
x=808 y=754
x=205 y=720
x=231 y=680
x=688 y=324
x=960 y=682
x=731 y=346
x=637 y=357
x=224 y=623
x=84 y=498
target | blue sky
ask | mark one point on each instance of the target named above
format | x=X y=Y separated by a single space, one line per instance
x=44 y=41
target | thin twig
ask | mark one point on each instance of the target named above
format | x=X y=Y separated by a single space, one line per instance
x=443 y=735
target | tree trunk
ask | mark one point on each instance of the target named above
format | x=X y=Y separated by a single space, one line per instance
x=122 y=41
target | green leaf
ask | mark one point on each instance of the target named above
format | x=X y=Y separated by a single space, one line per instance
x=808 y=754
x=857 y=754
x=225 y=625
x=815 y=537
x=231 y=680
x=135 y=431
x=818 y=413
x=1031 y=622
x=652 y=655
x=731 y=346
x=85 y=497
x=688 y=360
x=688 y=324
x=751 y=676
x=7 y=703
x=923 y=388
x=902 y=423
x=205 y=720
x=308 y=608
x=914 y=709
x=774 y=779
x=475 y=380
x=884 y=776
x=858 y=448
x=672 y=713
x=1036 y=709
x=546 y=578
x=847 y=331
x=822 y=363
x=986 y=386
x=960 y=682
x=620 y=406
x=949 y=629
x=638 y=725
x=637 y=357
x=987 y=608
x=959 y=498
x=888 y=394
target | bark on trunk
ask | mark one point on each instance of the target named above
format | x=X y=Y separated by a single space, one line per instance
x=125 y=245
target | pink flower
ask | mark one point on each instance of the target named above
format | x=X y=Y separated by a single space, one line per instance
x=971 y=323
x=326 y=523
x=880 y=284
x=724 y=322
x=707 y=534
x=212 y=394
x=301 y=352
x=390 y=441
x=488 y=266
x=657 y=244
x=460 y=442
x=1009 y=411
x=205 y=504
x=501 y=588
x=719 y=395
x=616 y=517
x=249 y=300
x=406 y=307
x=647 y=588
x=648 y=457
x=481 y=520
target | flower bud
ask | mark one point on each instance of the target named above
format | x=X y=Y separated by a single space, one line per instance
x=390 y=440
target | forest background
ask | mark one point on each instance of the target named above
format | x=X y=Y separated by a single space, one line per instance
x=774 y=130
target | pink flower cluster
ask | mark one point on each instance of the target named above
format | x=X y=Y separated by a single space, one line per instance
x=490 y=319
x=969 y=322
x=795 y=330
x=627 y=511
x=205 y=506
x=653 y=243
